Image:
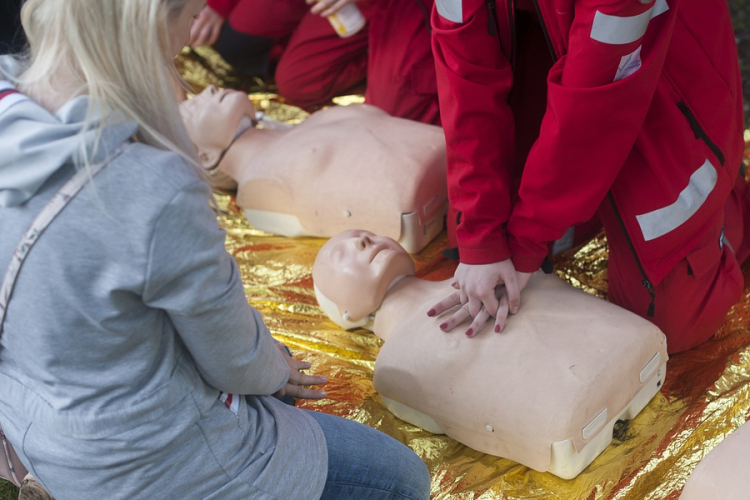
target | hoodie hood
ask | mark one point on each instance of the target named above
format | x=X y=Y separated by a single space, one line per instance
x=35 y=143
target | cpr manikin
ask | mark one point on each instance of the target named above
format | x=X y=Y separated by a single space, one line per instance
x=546 y=392
x=344 y=167
x=723 y=473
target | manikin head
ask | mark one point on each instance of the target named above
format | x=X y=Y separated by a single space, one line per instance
x=212 y=119
x=353 y=272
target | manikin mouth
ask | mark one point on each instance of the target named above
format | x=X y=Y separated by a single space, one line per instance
x=377 y=249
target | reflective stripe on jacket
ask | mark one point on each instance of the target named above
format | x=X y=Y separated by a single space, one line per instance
x=643 y=102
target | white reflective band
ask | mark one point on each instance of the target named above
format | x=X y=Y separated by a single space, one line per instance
x=617 y=30
x=452 y=10
x=661 y=221
x=660 y=7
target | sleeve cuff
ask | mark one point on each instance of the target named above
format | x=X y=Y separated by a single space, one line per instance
x=527 y=260
x=487 y=254
x=222 y=7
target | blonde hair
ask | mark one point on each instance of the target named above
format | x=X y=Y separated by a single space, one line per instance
x=119 y=51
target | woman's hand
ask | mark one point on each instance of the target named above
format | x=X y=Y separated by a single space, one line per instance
x=326 y=8
x=484 y=291
x=295 y=387
x=206 y=27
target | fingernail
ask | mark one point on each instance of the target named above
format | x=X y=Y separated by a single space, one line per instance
x=323 y=393
x=469 y=332
x=431 y=312
x=515 y=310
x=497 y=328
x=444 y=326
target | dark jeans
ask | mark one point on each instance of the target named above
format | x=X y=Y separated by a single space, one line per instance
x=365 y=464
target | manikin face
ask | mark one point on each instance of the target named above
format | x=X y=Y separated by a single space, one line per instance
x=212 y=118
x=355 y=268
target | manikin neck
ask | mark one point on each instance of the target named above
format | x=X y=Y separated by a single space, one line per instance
x=407 y=297
x=249 y=144
x=246 y=123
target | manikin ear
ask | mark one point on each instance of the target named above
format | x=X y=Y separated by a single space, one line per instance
x=209 y=158
x=216 y=177
x=341 y=318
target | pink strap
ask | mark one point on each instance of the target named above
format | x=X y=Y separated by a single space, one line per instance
x=59 y=201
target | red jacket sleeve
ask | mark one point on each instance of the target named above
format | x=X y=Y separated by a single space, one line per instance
x=223 y=7
x=598 y=97
x=474 y=80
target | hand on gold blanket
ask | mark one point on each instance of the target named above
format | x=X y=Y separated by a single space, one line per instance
x=295 y=387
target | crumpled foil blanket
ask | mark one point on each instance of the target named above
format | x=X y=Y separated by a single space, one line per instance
x=705 y=397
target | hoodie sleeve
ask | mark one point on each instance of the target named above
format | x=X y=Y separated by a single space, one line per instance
x=193 y=278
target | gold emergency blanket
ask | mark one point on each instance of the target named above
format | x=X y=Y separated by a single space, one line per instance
x=706 y=394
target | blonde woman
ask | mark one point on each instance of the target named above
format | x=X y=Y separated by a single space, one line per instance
x=132 y=365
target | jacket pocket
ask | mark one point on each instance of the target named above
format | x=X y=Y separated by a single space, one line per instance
x=699 y=132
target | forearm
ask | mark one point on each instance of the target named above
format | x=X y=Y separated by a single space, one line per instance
x=474 y=80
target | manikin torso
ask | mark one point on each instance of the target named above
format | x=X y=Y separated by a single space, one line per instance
x=723 y=473
x=341 y=168
x=564 y=368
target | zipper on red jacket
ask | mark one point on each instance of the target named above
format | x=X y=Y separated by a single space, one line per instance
x=493 y=28
x=492 y=19
x=645 y=282
x=513 y=44
x=426 y=15
x=544 y=30
x=699 y=132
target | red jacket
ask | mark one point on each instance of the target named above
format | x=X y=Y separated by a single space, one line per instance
x=223 y=7
x=643 y=110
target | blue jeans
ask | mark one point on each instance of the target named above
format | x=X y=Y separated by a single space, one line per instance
x=365 y=464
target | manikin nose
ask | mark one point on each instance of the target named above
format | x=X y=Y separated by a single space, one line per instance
x=212 y=89
x=363 y=242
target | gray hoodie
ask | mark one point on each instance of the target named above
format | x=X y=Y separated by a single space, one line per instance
x=128 y=319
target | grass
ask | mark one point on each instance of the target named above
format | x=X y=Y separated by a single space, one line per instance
x=8 y=491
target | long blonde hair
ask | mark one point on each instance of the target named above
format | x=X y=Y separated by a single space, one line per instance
x=119 y=52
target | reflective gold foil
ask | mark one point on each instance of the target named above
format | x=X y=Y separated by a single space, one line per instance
x=706 y=394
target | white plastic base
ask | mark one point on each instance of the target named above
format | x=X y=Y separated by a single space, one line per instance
x=414 y=236
x=275 y=223
x=567 y=463
x=414 y=417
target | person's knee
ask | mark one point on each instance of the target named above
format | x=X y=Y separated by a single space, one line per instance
x=420 y=479
x=698 y=303
x=297 y=86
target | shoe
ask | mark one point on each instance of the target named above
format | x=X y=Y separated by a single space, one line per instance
x=31 y=489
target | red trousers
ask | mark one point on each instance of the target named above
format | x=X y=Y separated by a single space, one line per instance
x=691 y=303
x=392 y=52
